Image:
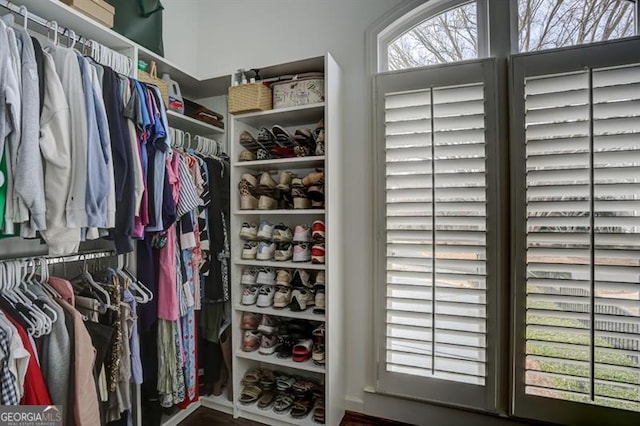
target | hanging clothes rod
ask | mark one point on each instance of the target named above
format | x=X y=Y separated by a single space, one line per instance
x=65 y=259
x=65 y=32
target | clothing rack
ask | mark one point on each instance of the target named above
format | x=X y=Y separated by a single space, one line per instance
x=66 y=32
x=91 y=255
x=97 y=51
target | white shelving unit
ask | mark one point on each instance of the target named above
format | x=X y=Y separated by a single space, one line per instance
x=332 y=373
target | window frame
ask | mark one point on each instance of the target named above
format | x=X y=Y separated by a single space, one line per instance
x=402 y=23
x=553 y=61
x=488 y=397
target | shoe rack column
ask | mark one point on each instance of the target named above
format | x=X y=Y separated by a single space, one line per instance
x=317 y=171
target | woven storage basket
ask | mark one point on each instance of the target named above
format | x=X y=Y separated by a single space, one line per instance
x=249 y=98
x=151 y=77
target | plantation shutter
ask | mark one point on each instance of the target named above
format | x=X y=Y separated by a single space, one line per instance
x=434 y=216
x=583 y=236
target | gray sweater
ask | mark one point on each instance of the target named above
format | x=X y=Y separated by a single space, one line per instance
x=68 y=71
x=28 y=177
x=55 y=356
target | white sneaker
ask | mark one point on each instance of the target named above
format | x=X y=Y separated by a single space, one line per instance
x=284 y=252
x=249 y=295
x=319 y=278
x=283 y=277
x=266 y=276
x=250 y=250
x=301 y=252
x=265 y=250
x=302 y=234
x=248 y=231
x=249 y=276
x=265 y=296
x=301 y=278
x=282 y=234
x=301 y=299
x=282 y=297
x=265 y=231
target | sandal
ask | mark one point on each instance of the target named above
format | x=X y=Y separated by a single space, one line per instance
x=286 y=346
x=303 y=387
x=249 y=142
x=266 y=400
x=318 y=345
x=301 y=408
x=284 y=138
x=318 y=411
x=302 y=351
x=316 y=194
x=250 y=394
x=267 y=380
x=284 y=383
x=267 y=140
x=304 y=137
x=251 y=377
x=318 y=136
x=300 y=198
x=313 y=178
x=283 y=402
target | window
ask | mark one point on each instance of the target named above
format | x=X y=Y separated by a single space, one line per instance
x=548 y=24
x=564 y=275
x=578 y=267
x=436 y=173
x=449 y=36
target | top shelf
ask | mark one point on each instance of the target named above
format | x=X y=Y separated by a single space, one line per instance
x=191 y=125
x=304 y=114
x=68 y=17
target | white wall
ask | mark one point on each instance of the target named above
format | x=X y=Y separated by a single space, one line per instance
x=180 y=33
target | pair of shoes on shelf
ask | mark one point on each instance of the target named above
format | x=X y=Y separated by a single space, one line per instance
x=263 y=193
x=278 y=142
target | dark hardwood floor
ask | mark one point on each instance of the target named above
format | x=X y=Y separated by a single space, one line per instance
x=206 y=417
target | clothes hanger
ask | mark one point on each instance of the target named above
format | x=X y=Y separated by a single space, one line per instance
x=89 y=279
x=44 y=275
x=24 y=12
x=144 y=298
x=4 y=286
x=54 y=27
x=141 y=286
x=35 y=324
x=28 y=278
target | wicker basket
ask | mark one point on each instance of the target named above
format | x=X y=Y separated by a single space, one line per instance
x=249 y=98
x=151 y=77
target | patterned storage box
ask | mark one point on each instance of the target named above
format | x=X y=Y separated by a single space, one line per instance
x=303 y=89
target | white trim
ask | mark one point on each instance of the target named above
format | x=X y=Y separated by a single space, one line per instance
x=406 y=16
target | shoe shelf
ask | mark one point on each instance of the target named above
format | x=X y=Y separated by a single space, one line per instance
x=283 y=212
x=284 y=418
x=283 y=362
x=283 y=116
x=274 y=264
x=284 y=312
x=220 y=402
x=191 y=125
x=334 y=163
x=283 y=163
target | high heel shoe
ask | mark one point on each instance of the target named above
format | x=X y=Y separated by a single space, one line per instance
x=247 y=186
